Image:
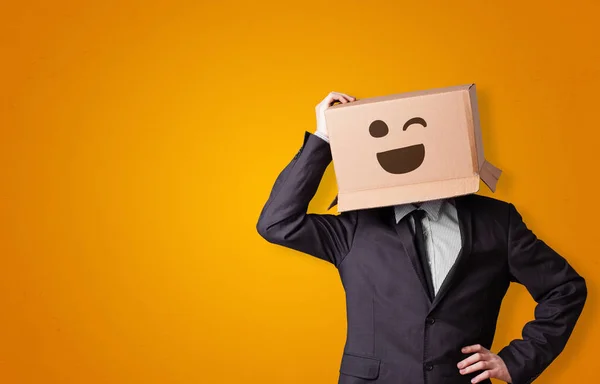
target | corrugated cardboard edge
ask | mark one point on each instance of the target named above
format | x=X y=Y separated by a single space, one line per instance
x=335 y=200
x=407 y=193
x=473 y=117
x=488 y=172
x=396 y=96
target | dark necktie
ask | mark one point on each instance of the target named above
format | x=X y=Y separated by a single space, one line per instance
x=419 y=240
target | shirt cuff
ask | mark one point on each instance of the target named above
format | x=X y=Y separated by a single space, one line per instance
x=322 y=136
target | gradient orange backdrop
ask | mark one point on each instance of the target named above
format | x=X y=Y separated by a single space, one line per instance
x=140 y=139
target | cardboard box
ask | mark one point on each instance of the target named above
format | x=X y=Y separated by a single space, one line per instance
x=408 y=147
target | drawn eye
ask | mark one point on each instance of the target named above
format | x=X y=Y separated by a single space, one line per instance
x=414 y=120
x=378 y=128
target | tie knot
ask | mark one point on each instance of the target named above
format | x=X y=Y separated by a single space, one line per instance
x=418 y=214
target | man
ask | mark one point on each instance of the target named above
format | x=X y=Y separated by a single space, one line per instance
x=424 y=282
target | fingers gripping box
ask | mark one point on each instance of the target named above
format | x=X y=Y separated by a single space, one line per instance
x=408 y=147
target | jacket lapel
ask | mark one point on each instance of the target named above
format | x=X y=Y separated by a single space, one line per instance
x=466 y=233
x=406 y=238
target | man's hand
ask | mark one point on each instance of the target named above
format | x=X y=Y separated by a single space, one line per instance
x=482 y=359
x=326 y=103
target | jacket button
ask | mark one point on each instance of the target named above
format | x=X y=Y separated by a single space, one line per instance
x=430 y=320
x=428 y=366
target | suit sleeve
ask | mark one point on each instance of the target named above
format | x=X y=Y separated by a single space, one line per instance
x=560 y=293
x=284 y=219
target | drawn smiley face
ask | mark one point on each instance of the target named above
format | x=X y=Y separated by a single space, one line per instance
x=399 y=160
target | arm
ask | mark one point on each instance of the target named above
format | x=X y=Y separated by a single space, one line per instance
x=557 y=288
x=284 y=219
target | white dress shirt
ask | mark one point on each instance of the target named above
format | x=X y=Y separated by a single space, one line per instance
x=441 y=231
x=442 y=235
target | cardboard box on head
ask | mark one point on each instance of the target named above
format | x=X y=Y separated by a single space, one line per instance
x=408 y=147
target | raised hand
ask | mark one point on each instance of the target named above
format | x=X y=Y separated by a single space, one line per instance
x=331 y=98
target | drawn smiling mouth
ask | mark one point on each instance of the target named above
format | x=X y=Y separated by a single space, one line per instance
x=402 y=160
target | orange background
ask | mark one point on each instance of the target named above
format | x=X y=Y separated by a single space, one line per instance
x=140 y=139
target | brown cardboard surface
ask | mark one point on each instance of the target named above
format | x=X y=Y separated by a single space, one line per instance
x=408 y=147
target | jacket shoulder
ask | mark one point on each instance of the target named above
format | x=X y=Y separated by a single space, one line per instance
x=487 y=206
x=485 y=201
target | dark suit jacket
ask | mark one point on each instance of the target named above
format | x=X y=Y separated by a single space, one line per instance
x=396 y=335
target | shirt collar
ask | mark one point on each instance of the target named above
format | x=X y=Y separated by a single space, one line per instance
x=431 y=207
